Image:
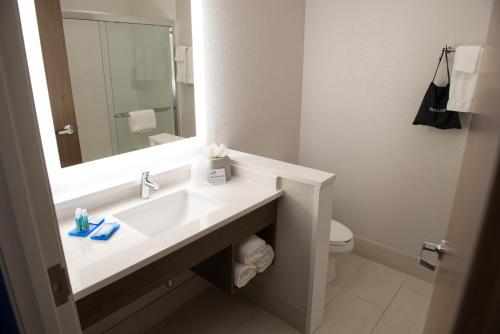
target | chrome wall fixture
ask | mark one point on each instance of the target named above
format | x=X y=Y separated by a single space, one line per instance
x=156 y=110
x=449 y=49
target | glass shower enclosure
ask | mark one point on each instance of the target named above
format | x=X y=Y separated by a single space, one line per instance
x=136 y=72
x=140 y=76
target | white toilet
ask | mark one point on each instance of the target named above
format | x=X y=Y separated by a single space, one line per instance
x=341 y=241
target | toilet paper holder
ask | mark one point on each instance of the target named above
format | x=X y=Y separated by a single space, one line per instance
x=438 y=248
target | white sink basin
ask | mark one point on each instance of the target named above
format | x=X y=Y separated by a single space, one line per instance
x=156 y=216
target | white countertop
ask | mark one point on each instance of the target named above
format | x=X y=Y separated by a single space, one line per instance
x=94 y=264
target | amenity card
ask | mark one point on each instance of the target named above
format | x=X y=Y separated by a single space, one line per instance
x=217 y=176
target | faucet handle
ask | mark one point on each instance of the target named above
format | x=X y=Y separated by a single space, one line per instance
x=147 y=184
x=146 y=175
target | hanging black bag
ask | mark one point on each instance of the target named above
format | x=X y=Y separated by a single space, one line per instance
x=433 y=110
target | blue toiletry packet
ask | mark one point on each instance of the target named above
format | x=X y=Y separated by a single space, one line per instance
x=93 y=224
x=105 y=231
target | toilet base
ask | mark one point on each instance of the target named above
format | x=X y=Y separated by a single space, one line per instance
x=331 y=272
x=335 y=255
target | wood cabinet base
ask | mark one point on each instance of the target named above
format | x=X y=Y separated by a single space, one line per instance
x=211 y=257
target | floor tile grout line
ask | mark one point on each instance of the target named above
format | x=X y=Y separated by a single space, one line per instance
x=343 y=286
x=365 y=263
x=389 y=304
x=350 y=279
x=417 y=292
x=353 y=274
x=366 y=301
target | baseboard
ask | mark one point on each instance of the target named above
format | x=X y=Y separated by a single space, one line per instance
x=391 y=257
x=291 y=314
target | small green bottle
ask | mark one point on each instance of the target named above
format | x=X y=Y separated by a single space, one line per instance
x=85 y=220
x=78 y=219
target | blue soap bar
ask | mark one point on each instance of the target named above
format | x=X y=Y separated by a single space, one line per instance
x=105 y=231
x=92 y=226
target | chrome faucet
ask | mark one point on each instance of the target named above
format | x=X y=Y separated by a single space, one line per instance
x=147 y=185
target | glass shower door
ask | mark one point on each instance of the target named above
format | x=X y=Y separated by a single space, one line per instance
x=140 y=67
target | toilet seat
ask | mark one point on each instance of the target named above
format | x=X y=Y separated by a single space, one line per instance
x=341 y=238
x=339 y=234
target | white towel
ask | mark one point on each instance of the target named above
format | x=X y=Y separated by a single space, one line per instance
x=243 y=273
x=189 y=66
x=463 y=84
x=180 y=62
x=142 y=120
x=250 y=249
x=265 y=259
x=466 y=58
x=180 y=53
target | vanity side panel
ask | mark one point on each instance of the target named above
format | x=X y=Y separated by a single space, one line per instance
x=283 y=289
x=320 y=247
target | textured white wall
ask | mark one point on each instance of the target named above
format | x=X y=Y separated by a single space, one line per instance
x=367 y=65
x=253 y=60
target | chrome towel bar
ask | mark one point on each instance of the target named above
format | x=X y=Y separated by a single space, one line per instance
x=157 y=110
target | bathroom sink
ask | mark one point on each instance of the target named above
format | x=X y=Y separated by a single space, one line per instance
x=156 y=216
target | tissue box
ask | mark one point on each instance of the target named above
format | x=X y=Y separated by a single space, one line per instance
x=217 y=163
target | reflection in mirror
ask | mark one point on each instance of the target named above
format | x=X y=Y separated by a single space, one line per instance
x=131 y=78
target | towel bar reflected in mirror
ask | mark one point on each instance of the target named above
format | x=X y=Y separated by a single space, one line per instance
x=126 y=114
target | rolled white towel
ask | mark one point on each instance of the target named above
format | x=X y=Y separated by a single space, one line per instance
x=265 y=259
x=243 y=273
x=250 y=249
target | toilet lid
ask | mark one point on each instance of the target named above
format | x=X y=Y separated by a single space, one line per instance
x=339 y=233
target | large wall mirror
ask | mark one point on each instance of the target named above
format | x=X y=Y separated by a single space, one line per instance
x=126 y=80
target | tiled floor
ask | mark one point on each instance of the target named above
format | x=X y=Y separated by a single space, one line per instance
x=214 y=312
x=365 y=297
